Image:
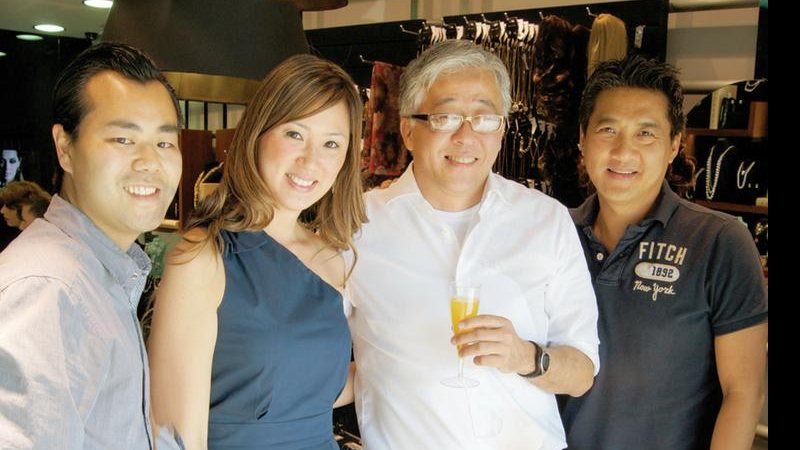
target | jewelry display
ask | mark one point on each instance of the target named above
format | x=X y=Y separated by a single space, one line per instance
x=741 y=174
x=711 y=186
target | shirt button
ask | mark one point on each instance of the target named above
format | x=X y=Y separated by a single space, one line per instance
x=600 y=256
x=135 y=277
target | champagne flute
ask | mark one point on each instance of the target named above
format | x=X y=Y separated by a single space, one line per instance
x=464 y=302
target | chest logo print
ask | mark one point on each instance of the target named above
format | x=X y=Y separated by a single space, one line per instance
x=657 y=272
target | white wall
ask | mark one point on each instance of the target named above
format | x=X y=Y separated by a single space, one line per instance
x=713 y=46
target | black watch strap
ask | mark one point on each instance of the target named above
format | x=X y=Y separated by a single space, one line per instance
x=542 y=359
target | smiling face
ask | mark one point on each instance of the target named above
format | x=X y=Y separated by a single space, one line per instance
x=451 y=168
x=627 y=147
x=299 y=160
x=123 y=169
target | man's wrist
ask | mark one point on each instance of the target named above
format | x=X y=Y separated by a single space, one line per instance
x=541 y=361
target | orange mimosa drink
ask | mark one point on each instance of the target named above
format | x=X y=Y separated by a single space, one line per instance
x=464 y=302
x=462 y=308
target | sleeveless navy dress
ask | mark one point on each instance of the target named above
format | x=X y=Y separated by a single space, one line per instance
x=282 y=352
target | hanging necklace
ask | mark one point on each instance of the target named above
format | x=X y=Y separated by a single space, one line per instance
x=741 y=174
x=751 y=85
x=711 y=187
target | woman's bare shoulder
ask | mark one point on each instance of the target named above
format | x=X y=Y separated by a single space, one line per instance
x=193 y=244
x=194 y=268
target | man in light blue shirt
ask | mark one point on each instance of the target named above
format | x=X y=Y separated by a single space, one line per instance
x=73 y=366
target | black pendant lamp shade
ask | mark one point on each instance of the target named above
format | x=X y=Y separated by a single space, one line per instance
x=242 y=39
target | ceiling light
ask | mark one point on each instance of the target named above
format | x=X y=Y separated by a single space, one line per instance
x=29 y=37
x=2 y=54
x=98 y=3
x=49 y=28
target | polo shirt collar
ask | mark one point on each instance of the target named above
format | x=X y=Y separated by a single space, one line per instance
x=665 y=205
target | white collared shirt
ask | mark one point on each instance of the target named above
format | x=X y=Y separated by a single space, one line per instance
x=524 y=250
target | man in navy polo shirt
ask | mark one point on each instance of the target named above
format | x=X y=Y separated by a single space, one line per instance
x=681 y=296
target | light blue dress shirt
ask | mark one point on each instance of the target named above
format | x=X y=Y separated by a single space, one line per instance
x=73 y=366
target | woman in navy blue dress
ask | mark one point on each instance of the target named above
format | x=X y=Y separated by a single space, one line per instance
x=249 y=346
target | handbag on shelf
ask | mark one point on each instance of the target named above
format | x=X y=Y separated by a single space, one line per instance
x=731 y=173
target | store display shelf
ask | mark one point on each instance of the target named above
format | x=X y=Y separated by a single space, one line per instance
x=734 y=207
x=719 y=133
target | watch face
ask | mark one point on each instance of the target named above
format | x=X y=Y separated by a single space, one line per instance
x=544 y=363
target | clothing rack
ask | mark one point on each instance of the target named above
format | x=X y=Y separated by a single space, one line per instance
x=397 y=42
x=536 y=148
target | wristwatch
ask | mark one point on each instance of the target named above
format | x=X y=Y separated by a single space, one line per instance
x=542 y=359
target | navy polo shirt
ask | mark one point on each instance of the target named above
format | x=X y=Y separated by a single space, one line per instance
x=680 y=277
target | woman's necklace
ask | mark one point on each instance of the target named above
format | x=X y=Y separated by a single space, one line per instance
x=711 y=187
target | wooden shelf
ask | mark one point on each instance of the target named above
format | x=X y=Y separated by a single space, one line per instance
x=734 y=207
x=756 y=128
x=718 y=133
x=756 y=124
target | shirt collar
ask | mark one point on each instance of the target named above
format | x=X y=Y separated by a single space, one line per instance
x=494 y=188
x=665 y=205
x=585 y=214
x=123 y=266
x=406 y=186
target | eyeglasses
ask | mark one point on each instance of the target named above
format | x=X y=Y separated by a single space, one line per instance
x=483 y=123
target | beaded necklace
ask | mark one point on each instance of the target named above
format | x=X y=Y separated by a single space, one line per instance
x=711 y=187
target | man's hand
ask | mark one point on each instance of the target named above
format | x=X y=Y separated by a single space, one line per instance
x=492 y=341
